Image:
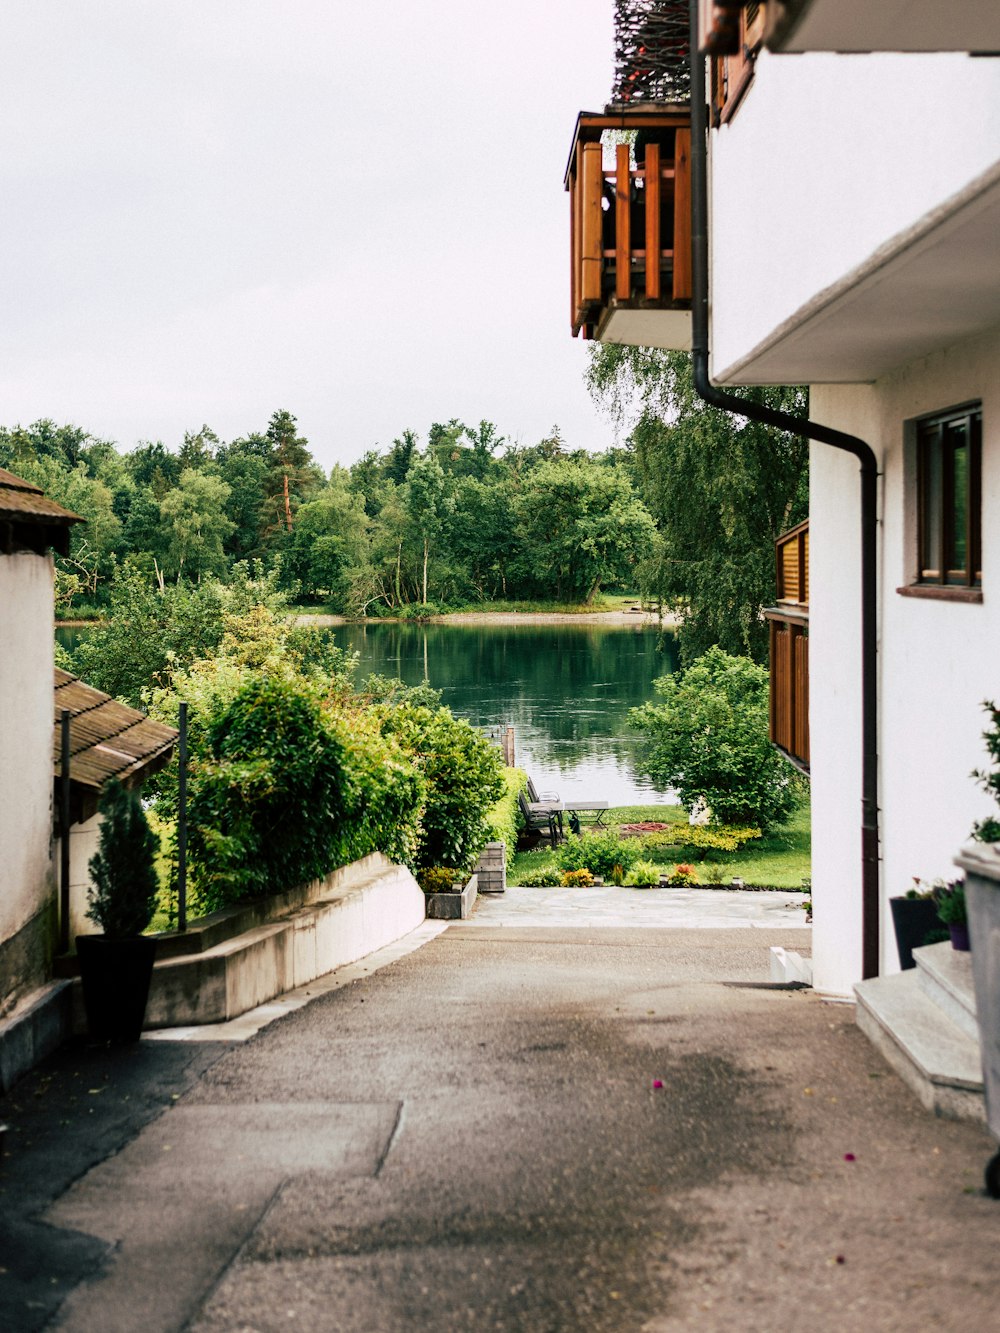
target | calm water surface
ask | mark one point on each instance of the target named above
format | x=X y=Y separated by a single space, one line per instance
x=566 y=689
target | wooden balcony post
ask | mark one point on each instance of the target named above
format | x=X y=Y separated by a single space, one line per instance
x=682 y=215
x=653 y=221
x=623 y=223
x=591 y=263
x=574 y=242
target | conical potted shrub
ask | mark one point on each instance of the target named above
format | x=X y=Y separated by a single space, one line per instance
x=116 y=966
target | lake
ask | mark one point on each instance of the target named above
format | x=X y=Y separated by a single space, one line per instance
x=566 y=689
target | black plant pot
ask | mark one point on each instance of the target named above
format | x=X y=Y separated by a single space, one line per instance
x=914 y=920
x=115 y=976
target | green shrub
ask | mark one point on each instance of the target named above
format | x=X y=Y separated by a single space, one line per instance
x=949 y=899
x=578 y=879
x=504 y=817
x=463 y=773
x=708 y=740
x=599 y=853
x=546 y=877
x=122 y=896
x=288 y=791
x=642 y=875
x=441 y=879
x=699 y=838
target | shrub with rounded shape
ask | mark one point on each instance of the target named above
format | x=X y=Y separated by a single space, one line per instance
x=708 y=739
x=642 y=875
x=441 y=879
x=599 y=853
x=463 y=773
x=578 y=879
x=290 y=791
x=546 y=877
x=683 y=876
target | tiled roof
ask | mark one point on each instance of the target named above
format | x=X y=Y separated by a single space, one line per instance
x=107 y=739
x=23 y=502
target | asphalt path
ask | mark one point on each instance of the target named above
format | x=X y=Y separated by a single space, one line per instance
x=514 y=1128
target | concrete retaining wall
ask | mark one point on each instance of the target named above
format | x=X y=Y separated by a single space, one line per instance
x=350 y=913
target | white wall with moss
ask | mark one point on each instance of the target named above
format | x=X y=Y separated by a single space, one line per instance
x=26 y=885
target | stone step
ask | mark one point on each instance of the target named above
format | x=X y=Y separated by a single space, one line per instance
x=945 y=977
x=930 y=1053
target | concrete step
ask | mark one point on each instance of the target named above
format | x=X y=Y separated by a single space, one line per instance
x=34 y=1027
x=349 y=914
x=932 y=1054
x=945 y=976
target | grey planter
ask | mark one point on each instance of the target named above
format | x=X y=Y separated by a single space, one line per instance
x=452 y=906
x=981 y=863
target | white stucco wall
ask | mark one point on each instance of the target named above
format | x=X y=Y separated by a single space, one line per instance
x=938 y=660
x=83 y=843
x=26 y=619
x=826 y=159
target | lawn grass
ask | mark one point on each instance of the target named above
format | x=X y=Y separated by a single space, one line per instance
x=781 y=860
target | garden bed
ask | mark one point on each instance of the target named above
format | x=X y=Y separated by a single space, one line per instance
x=778 y=861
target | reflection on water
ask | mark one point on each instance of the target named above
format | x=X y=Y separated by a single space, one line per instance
x=566 y=689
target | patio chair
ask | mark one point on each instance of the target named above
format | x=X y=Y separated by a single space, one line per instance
x=545 y=796
x=539 y=818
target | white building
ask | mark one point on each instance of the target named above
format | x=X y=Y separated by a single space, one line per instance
x=39 y=914
x=854 y=245
x=30 y=526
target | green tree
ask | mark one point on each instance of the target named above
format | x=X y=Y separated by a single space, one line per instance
x=194 y=514
x=93 y=545
x=708 y=740
x=401 y=454
x=149 y=633
x=582 y=526
x=245 y=471
x=198 y=448
x=720 y=489
x=484 y=534
x=428 y=503
x=290 y=464
x=153 y=465
x=328 y=542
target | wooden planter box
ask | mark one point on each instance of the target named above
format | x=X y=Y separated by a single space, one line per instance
x=453 y=906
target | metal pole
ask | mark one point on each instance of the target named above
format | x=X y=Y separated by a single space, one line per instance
x=182 y=819
x=64 y=826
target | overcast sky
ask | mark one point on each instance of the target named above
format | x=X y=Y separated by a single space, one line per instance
x=216 y=208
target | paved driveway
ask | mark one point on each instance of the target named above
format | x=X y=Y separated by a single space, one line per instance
x=611 y=906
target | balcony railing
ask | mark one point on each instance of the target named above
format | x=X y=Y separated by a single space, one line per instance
x=630 y=235
x=789 y=625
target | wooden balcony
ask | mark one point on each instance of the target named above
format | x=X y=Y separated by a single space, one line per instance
x=630 y=227
x=789 y=625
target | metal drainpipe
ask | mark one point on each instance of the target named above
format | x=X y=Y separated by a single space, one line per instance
x=811 y=430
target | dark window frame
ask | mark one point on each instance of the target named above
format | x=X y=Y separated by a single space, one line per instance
x=939 y=440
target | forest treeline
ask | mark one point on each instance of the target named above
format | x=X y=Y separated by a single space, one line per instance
x=462 y=516
x=685 y=512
